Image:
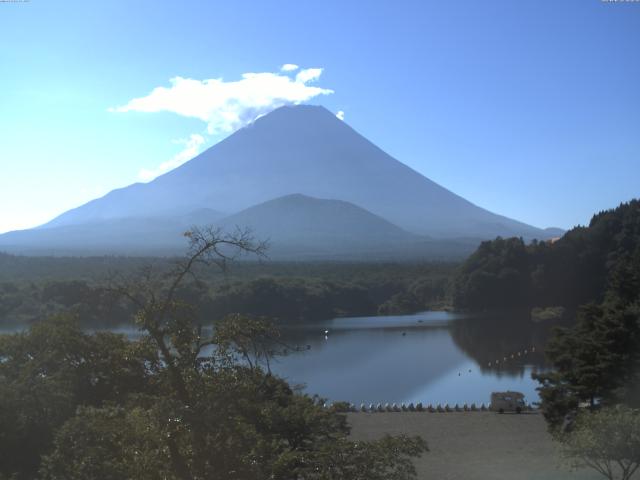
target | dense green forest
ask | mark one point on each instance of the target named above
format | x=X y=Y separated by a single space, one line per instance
x=79 y=406
x=594 y=271
x=574 y=270
x=596 y=361
x=32 y=289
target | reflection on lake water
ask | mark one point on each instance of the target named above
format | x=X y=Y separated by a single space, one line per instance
x=429 y=357
x=432 y=357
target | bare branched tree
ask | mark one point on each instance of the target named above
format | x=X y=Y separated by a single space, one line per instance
x=154 y=294
x=169 y=324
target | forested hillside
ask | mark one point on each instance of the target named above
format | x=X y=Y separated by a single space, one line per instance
x=33 y=289
x=574 y=270
x=594 y=271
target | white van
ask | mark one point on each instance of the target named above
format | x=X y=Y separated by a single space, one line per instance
x=507 y=402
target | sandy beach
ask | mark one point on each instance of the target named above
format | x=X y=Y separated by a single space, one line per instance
x=475 y=445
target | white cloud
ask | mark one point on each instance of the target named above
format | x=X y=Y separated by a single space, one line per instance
x=228 y=105
x=191 y=149
x=289 y=67
x=308 y=75
x=340 y=115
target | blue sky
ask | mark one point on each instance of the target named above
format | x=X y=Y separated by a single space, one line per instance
x=530 y=109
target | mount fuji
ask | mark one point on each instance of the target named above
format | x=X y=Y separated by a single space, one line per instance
x=298 y=175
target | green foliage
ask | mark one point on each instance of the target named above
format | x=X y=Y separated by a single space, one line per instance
x=494 y=276
x=22 y=304
x=598 y=360
x=292 y=299
x=388 y=458
x=78 y=406
x=109 y=443
x=46 y=373
x=285 y=292
x=591 y=361
x=576 y=269
x=246 y=339
x=176 y=404
x=423 y=293
x=607 y=441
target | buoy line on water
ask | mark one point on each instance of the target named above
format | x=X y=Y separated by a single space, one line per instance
x=513 y=356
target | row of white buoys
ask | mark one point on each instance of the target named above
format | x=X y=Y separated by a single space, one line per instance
x=513 y=356
x=419 y=407
x=391 y=407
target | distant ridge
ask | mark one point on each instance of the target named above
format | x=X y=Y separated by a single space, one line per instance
x=117 y=236
x=298 y=217
x=318 y=226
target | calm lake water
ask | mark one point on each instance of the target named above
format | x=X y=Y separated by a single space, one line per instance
x=429 y=357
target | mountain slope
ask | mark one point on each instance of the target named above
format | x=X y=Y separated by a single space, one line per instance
x=303 y=149
x=306 y=223
x=303 y=228
x=297 y=227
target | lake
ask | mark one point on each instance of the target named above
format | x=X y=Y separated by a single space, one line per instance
x=429 y=357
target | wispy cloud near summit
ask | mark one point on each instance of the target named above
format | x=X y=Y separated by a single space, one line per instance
x=225 y=106
x=191 y=149
x=228 y=105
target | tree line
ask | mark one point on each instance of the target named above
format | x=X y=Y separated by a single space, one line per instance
x=576 y=269
x=283 y=296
